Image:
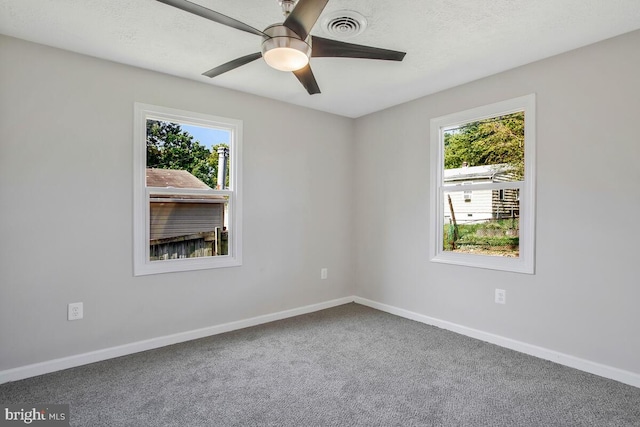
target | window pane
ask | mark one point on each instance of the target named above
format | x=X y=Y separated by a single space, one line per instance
x=478 y=222
x=188 y=226
x=185 y=156
x=490 y=150
x=201 y=151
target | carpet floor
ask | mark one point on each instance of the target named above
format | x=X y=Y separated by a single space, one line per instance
x=345 y=366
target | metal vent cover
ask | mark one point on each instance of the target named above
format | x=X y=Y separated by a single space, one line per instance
x=344 y=23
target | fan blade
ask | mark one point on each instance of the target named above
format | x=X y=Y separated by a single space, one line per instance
x=238 y=62
x=332 y=48
x=196 y=9
x=305 y=75
x=304 y=16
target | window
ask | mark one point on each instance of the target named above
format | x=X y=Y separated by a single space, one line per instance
x=492 y=150
x=467 y=193
x=187 y=190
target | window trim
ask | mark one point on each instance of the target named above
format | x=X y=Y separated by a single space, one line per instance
x=141 y=210
x=525 y=263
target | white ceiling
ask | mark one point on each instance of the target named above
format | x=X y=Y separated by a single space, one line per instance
x=448 y=42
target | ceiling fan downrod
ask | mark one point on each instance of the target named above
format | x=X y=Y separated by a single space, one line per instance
x=287 y=6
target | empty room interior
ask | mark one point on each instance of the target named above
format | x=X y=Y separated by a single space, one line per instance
x=347 y=276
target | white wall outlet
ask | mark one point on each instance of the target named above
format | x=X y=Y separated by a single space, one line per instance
x=501 y=296
x=75 y=311
x=323 y=273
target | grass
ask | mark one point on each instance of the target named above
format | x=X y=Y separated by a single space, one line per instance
x=476 y=235
x=489 y=241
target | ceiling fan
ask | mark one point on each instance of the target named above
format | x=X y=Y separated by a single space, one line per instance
x=288 y=46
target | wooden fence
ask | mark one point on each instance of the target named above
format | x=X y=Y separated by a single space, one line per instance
x=196 y=245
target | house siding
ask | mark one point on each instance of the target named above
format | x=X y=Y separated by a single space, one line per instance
x=180 y=219
x=478 y=208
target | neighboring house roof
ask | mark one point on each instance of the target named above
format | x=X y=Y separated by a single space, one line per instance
x=173 y=178
x=468 y=173
x=176 y=178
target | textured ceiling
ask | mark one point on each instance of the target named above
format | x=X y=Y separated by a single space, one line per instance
x=448 y=42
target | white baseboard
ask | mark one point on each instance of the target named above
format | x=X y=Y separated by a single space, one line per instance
x=33 y=370
x=123 y=350
x=605 y=371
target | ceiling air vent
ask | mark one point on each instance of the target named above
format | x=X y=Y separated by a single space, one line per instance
x=344 y=24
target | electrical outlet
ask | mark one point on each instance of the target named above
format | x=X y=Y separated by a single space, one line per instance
x=323 y=273
x=75 y=311
x=501 y=296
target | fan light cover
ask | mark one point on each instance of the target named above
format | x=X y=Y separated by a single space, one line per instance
x=286 y=54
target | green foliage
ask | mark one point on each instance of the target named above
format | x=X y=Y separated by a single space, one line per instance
x=498 y=140
x=472 y=239
x=169 y=147
x=470 y=234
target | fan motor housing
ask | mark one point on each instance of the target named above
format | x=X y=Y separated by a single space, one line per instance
x=283 y=49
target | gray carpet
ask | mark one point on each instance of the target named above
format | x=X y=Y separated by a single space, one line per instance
x=345 y=366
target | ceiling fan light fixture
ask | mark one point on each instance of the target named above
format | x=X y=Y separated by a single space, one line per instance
x=283 y=50
x=287 y=45
x=286 y=58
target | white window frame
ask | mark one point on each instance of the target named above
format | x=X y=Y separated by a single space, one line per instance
x=525 y=263
x=141 y=194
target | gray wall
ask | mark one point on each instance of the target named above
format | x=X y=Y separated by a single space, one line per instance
x=583 y=299
x=65 y=188
x=66 y=123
